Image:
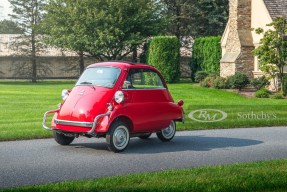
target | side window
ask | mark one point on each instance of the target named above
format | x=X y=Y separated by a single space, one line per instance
x=143 y=79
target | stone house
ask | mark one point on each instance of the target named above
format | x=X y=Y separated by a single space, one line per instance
x=239 y=39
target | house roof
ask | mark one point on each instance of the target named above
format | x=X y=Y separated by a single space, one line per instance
x=276 y=8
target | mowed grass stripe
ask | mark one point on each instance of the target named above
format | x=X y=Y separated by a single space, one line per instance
x=259 y=176
x=22 y=105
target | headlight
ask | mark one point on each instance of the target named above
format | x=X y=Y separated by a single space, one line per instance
x=119 y=96
x=65 y=94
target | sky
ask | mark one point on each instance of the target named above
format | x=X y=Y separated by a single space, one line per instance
x=4 y=9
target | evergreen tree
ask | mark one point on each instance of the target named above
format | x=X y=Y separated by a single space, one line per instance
x=196 y=17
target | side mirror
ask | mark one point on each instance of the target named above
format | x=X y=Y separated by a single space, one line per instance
x=127 y=84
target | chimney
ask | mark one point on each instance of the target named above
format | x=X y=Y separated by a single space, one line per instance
x=238 y=43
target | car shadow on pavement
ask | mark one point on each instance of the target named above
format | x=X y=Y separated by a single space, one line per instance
x=179 y=143
x=187 y=143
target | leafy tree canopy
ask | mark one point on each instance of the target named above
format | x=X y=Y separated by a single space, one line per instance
x=273 y=48
x=9 y=27
x=105 y=29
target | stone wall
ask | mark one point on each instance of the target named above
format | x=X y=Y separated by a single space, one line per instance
x=47 y=67
x=57 y=67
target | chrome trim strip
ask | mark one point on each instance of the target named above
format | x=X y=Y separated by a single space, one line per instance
x=45 y=119
x=73 y=123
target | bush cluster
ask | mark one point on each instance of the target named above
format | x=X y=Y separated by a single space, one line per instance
x=164 y=54
x=200 y=76
x=238 y=81
x=263 y=93
x=209 y=80
x=260 y=82
x=277 y=96
x=206 y=55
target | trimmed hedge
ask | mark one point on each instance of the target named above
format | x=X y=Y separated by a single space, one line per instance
x=164 y=54
x=206 y=55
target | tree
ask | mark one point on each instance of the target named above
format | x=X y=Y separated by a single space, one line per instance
x=103 y=29
x=273 y=48
x=209 y=17
x=28 y=14
x=9 y=27
x=196 y=17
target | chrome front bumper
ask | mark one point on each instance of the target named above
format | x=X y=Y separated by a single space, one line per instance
x=73 y=123
x=45 y=119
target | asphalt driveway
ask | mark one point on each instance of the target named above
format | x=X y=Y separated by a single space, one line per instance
x=43 y=161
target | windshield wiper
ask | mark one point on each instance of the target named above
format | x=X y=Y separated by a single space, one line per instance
x=86 y=83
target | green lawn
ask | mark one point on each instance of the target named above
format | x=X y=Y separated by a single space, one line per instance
x=23 y=104
x=259 y=176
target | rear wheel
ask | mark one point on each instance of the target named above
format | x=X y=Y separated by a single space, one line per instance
x=145 y=136
x=118 y=136
x=168 y=133
x=62 y=139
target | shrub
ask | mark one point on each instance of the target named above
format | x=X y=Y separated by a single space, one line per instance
x=200 y=76
x=208 y=81
x=206 y=55
x=277 y=96
x=220 y=83
x=238 y=81
x=262 y=93
x=260 y=82
x=164 y=54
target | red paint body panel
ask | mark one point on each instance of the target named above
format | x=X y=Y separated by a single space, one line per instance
x=150 y=110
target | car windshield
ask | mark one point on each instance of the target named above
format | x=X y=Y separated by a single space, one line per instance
x=99 y=76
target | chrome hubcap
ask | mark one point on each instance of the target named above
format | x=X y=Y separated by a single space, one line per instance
x=169 y=131
x=121 y=137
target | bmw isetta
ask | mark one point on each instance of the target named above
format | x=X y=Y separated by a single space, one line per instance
x=116 y=100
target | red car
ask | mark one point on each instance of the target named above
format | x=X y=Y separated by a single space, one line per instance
x=116 y=100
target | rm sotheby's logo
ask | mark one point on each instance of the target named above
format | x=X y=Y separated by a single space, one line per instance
x=207 y=115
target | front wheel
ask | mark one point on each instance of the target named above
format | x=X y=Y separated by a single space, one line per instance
x=118 y=137
x=62 y=139
x=168 y=133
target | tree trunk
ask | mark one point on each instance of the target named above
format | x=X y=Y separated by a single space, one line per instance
x=178 y=15
x=135 y=54
x=81 y=62
x=283 y=89
x=33 y=58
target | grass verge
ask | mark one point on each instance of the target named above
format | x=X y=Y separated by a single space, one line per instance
x=259 y=176
x=23 y=104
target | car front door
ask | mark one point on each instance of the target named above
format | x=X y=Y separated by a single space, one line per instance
x=149 y=99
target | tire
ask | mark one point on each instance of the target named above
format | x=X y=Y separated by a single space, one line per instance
x=118 y=137
x=145 y=136
x=62 y=139
x=168 y=133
